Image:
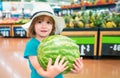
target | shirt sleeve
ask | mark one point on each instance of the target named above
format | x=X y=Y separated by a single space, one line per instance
x=30 y=50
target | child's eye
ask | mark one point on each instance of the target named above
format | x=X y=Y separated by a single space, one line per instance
x=48 y=22
x=39 y=21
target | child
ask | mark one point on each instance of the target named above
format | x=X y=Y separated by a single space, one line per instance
x=44 y=23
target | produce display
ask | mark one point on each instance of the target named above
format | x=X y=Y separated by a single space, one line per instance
x=21 y=21
x=14 y=21
x=55 y=45
x=7 y=21
x=80 y=20
x=75 y=4
x=91 y=20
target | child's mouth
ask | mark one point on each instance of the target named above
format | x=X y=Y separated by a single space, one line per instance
x=43 y=30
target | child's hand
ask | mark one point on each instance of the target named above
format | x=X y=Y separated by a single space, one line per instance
x=58 y=67
x=77 y=66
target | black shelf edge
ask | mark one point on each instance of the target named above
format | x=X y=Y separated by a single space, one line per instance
x=109 y=29
x=80 y=29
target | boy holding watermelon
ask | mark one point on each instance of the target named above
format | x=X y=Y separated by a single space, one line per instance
x=44 y=23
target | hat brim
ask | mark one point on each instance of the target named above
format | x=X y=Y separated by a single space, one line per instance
x=59 y=22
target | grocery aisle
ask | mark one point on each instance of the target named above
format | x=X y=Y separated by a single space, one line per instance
x=13 y=65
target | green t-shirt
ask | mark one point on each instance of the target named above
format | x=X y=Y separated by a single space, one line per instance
x=31 y=50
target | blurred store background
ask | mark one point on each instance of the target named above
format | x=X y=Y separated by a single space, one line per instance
x=93 y=24
x=95 y=20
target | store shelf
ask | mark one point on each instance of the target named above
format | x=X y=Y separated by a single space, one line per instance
x=101 y=6
x=85 y=38
x=18 y=31
x=11 y=30
x=5 y=30
x=69 y=9
x=78 y=6
x=109 y=44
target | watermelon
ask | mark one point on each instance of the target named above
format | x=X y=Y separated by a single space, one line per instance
x=55 y=45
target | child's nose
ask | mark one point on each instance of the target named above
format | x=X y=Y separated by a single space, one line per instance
x=44 y=24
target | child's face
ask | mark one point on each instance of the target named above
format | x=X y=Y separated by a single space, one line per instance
x=43 y=27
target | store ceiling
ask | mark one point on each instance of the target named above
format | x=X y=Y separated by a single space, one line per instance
x=59 y=0
x=39 y=0
x=50 y=0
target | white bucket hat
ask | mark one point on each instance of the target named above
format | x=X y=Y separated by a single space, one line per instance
x=45 y=9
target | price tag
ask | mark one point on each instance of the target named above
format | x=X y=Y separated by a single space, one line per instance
x=19 y=32
x=111 y=49
x=5 y=31
x=86 y=49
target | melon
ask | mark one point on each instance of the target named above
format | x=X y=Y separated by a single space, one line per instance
x=55 y=45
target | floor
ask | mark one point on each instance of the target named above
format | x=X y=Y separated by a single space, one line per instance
x=13 y=65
